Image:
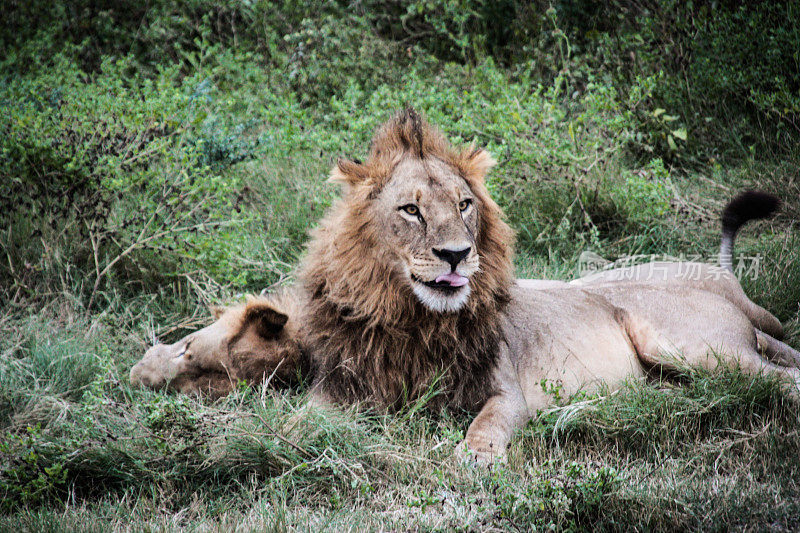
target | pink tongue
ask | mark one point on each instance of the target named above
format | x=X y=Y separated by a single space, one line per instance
x=455 y=280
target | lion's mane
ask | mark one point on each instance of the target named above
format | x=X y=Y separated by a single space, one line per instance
x=372 y=340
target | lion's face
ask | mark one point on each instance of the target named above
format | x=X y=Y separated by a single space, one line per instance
x=250 y=341
x=415 y=233
x=429 y=219
x=175 y=365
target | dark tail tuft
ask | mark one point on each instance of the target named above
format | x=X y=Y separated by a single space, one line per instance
x=749 y=205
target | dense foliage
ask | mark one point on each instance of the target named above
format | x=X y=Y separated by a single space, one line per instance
x=159 y=156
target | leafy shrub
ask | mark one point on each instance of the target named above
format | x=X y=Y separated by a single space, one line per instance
x=26 y=477
x=565 y=497
x=726 y=70
x=325 y=55
x=114 y=173
x=91 y=31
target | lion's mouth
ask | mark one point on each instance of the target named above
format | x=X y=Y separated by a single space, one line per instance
x=448 y=283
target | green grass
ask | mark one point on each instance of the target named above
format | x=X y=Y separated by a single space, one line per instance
x=716 y=451
x=226 y=127
x=82 y=451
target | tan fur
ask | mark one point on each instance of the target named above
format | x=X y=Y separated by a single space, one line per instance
x=702 y=276
x=556 y=335
x=252 y=341
x=373 y=339
x=578 y=338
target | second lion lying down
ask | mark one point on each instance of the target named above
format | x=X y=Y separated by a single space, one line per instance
x=408 y=282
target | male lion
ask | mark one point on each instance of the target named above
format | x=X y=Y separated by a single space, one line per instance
x=407 y=283
x=408 y=280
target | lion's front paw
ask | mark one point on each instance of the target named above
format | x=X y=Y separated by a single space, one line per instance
x=473 y=452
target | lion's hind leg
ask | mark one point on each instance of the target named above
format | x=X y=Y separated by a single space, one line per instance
x=645 y=339
x=750 y=362
x=654 y=349
x=777 y=351
x=761 y=319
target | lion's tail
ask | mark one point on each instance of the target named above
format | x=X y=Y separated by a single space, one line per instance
x=749 y=205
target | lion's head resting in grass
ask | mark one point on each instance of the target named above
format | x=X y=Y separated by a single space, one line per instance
x=408 y=273
x=253 y=341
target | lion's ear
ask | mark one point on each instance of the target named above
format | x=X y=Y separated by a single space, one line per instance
x=348 y=172
x=267 y=320
x=477 y=162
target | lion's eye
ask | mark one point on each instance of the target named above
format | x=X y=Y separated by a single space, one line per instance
x=464 y=204
x=411 y=209
x=182 y=351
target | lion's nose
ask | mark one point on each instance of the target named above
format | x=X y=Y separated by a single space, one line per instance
x=136 y=378
x=454 y=257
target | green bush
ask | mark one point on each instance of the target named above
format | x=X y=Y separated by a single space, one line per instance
x=90 y=32
x=27 y=478
x=729 y=73
x=115 y=175
x=563 y=497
